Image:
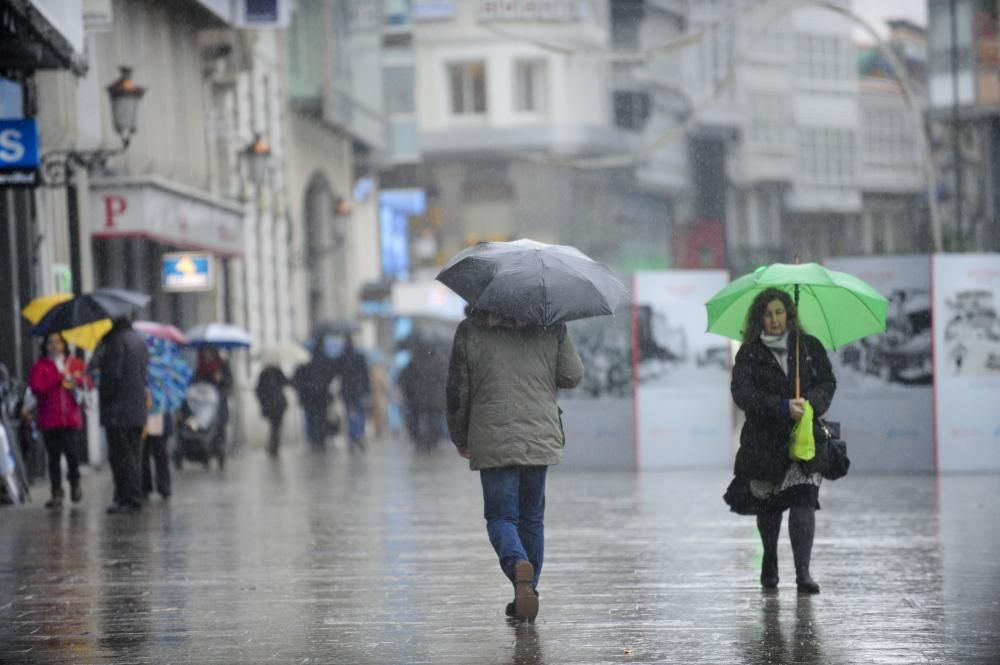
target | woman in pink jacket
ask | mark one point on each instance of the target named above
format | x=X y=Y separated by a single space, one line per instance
x=55 y=379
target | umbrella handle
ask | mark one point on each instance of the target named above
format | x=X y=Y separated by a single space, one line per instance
x=798 y=384
x=798 y=335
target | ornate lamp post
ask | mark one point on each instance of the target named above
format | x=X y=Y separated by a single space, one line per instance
x=257 y=156
x=58 y=166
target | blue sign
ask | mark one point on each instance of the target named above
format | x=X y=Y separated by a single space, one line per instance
x=18 y=143
x=187 y=271
x=18 y=152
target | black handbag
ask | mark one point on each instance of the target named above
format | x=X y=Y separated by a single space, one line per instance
x=831 y=451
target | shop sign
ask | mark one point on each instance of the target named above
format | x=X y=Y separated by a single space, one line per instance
x=187 y=271
x=542 y=11
x=18 y=153
x=165 y=213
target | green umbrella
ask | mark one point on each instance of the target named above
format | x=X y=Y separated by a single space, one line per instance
x=834 y=307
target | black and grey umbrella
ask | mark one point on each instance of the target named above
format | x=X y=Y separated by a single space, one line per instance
x=533 y=282
x=89 y=307
x=331 y=327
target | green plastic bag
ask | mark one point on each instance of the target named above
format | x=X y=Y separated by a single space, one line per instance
x=802 y=444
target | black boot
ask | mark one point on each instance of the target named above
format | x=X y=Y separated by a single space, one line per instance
x=57 y=499
x=801 y=530
x=769 y=526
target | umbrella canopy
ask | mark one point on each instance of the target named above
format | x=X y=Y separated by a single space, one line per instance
x=284 y=354
x=533 y=282
x=336 y=328
x=161 y=330
x=167 y=374
x=834 y=307
x=221 y=335
x=86 y=336
x=89 y=308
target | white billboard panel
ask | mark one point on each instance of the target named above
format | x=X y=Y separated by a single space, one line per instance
x=683 y=407
x=884 y=398
x=967 y=361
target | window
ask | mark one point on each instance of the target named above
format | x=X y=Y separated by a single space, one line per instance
x=770 y=120
x=468 y=87
x=399 y=89
x=823 y=59
x=631 y=109
x=827 y=157
x=889 y=138
x=529 y=86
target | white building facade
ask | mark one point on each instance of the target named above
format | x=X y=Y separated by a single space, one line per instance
x=512 y=100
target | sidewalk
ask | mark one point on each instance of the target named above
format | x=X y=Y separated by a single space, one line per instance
x=383 y=558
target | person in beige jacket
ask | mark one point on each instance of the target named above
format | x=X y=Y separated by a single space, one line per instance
x=503 y=417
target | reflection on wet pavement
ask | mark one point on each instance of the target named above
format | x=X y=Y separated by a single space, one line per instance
x=383 y=558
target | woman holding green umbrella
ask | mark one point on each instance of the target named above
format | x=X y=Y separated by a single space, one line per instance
x=779 y=368
x=764 y=386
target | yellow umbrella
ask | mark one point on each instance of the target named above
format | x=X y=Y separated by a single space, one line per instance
x=86 y=336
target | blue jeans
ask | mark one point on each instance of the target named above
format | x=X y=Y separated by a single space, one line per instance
x=514 y=508
x=355 y=409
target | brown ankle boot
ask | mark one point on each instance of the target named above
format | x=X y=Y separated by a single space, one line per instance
x=525 y=599
x=56 y=501
x=75 y=492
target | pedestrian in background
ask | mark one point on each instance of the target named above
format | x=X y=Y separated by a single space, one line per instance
x=120 y=361
x=214 y=369
x=355 y=389
x=419 y=383
x=312 y=384
x=763 y=386
x=270 y=392
x=503 y=417
x=58 y=379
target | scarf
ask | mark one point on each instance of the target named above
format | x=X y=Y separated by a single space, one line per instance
x=779 y=347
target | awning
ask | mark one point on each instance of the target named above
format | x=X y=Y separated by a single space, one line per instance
x=29 y=41
x=165 y=212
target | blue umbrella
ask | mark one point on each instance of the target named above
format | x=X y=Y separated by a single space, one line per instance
x=219 y=335
x=167 y=375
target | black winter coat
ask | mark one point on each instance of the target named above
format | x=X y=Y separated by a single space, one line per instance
x=271 y=392
x=761 y=389
x=121 y=358
x=352 y=368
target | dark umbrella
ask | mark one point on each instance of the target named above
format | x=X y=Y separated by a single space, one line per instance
x=533 y=282
x=89 y=307
x=336 y=328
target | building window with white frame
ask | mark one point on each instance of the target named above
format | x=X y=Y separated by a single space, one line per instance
x=467 y=82
x=826 y=157
x=530 y=82
x=770 y=121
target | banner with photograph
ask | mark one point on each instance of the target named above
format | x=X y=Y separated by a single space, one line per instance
x=884 y=398
x=598 y=413
x=683 y=407
x=967 y=361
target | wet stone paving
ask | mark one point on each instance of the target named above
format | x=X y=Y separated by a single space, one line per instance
x=382 y=557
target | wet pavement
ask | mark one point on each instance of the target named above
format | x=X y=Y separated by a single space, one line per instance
x=383 y=558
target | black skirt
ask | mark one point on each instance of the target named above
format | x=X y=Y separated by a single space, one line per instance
x=743 y=500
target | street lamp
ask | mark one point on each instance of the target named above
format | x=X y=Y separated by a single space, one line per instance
x=125 y=96
x=258 y=157
x=58 y=165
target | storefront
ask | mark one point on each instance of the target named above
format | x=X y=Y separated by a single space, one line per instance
x=33 y=36
x=136 y=222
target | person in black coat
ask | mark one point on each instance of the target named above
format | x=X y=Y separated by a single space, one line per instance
x=312 y=383
x=273 y=404
x=120 y=361
x=767 y=482
x=355 y=389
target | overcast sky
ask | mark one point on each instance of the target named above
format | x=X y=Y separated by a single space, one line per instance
x=877 y=12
